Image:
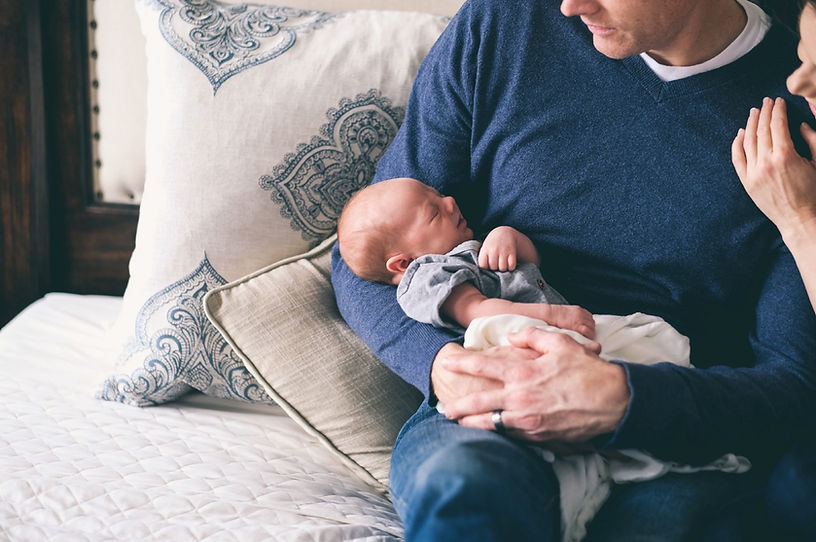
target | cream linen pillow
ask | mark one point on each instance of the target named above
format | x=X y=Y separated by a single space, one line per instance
x=284 y=324
x=262 y=121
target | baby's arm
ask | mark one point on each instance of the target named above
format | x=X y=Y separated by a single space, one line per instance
x=501 y=250
x=466 y=303
x=504 y=247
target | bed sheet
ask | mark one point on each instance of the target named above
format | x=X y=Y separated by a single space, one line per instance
x=76 y=468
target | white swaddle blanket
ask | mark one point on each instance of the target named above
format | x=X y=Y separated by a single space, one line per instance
x=586 y=479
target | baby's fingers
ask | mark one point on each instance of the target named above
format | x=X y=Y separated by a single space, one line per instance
x=586 y=325
x=507 y=262
x=487 y=258
x=587 y=330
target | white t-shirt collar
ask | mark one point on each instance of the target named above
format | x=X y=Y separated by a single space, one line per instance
x=755 y=29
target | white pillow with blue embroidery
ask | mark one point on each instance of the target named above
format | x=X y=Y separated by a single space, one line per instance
x=262 y=121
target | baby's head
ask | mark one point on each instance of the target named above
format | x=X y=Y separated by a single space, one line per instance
x=386 y=226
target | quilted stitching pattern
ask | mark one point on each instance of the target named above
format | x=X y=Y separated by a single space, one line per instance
x=74 y=468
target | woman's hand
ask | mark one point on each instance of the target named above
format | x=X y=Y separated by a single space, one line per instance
x=780 y=181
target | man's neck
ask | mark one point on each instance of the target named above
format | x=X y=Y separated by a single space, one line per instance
x=717 y=24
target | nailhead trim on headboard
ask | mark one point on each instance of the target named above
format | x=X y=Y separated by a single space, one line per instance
x=118 y=96
x=93 y=55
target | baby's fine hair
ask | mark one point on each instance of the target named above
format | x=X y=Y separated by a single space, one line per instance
x=365 y=238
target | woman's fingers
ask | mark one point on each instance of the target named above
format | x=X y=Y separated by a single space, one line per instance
x=780 y=133
x=750 y=136
x=766 y=135
x=738 y=155
x=763 y=138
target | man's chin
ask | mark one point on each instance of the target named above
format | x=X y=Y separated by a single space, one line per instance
x=612 y=50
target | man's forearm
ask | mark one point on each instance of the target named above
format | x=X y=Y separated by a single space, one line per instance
x=695 y=415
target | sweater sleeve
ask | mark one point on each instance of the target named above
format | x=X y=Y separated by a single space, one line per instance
x=428 y=283
x=432 y=145
x=755 y=409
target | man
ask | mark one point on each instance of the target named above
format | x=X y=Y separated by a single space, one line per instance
x=605 y=137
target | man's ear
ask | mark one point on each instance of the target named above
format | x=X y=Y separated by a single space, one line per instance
x=397 y=264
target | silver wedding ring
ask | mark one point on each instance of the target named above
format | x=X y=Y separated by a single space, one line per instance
x=498 y=424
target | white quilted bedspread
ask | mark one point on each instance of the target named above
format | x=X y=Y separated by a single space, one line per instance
x=74 y=468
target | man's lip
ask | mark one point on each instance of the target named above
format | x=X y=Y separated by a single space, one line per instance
x=598 y=29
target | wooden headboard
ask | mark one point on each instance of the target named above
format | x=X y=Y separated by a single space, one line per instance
x=54 y=234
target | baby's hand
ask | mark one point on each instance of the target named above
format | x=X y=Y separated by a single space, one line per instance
x=570 y=317
x=499 y=250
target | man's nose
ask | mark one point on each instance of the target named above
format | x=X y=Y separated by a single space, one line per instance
x=571 y=8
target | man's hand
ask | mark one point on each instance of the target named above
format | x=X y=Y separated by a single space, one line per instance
x=551 y=388
x=450 y=385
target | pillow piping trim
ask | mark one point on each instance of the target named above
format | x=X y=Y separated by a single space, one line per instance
x=287 y=407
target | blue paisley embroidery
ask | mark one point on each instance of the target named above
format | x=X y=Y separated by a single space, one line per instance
x=180 y=350
x=223 y=39
x=314 y=183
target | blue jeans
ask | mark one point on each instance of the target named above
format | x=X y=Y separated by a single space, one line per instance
x=450 y=482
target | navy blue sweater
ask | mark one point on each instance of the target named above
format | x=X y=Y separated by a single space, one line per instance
x=626 y=186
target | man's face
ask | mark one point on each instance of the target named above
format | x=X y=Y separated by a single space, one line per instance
x=623 y=28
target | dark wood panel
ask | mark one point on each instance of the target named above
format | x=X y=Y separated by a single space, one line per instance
x=99 y=241
x=53 y=235
x=91 y=241
x=24 y=241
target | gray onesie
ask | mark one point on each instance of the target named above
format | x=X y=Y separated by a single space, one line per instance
x=430 y=279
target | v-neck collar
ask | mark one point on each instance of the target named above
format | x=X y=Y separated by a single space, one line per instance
x=663 y=91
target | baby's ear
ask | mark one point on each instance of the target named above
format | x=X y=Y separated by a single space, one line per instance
x=397 y=264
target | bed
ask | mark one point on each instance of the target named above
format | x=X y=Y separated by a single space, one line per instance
x=236 y=444
x=201 y=468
